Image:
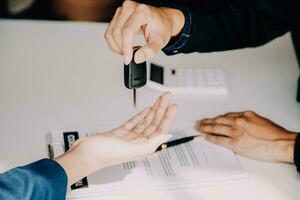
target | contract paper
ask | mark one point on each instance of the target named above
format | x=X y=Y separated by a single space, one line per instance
x=194 y=164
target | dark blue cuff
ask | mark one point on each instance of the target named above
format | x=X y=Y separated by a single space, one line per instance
x=43 y=179
x=175 y=44
x=297 y=152
x=50 y=173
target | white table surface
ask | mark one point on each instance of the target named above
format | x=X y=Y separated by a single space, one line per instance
x=61 y=75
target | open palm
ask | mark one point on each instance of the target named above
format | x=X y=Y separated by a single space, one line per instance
x=136 y=138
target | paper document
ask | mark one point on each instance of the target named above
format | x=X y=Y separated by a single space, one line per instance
x=192 y=164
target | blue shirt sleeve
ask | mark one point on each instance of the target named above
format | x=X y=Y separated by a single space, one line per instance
x=175 y=44
x=44 y=179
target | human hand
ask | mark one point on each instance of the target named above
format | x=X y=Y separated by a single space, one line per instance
x=137 y=138
x=157 y=25
x=250 y=135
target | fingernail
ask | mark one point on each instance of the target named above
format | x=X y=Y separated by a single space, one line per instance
x=139 y=57
x=168 y=93
x=127 y=59
x=196 y=126
x=199 y=125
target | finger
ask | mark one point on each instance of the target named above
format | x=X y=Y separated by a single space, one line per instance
x=164 y=125
x=127 y=10
x=218 y=129
x=197 y=125
x=126 y=127
x=137 y=118
x=224 y=120
x=158 y=140
x=153 y=46
x=161 y=109
x=206 y=121
x=141 y=126
x=234 y=114
x=149 y=130
x=156 y=104
x=167 y=121
x=250 y=113
x=219 y=120
x=109 y=33
x=150 y=116
x=220 y=140
x=131 y=135
x=140 y=17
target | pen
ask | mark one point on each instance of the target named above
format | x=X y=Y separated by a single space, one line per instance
x=176 y=142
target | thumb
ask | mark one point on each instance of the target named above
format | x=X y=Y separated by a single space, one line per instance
x=148 y=51
x=158 y=140
x=146 y=149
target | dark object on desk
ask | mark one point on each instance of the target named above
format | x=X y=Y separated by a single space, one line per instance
x=157 y=73
x=296 y=42
x=135 y=76
x=176 y=142
x=298 y=90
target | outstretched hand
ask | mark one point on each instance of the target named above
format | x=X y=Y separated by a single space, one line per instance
x=251 y=135
x=136 y=138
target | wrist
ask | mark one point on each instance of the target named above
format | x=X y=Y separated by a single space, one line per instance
x=85 y=153
x=176 y=18
x=284 y=151
x=77 y=163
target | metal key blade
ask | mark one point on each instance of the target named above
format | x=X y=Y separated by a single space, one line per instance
x=134 y=98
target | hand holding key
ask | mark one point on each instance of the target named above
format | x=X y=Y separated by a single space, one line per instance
x=157 y=25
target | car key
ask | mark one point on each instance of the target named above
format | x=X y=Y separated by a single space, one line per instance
x=135 y=76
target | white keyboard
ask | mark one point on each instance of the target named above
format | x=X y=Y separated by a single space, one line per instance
x=192 y=80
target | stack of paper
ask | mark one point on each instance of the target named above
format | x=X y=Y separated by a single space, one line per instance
x=194 y=164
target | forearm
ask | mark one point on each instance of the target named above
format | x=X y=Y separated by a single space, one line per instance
x=234 y=24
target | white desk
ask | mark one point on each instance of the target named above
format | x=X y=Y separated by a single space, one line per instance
x=58 y=75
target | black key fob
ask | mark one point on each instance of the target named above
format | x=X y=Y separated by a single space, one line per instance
x=135 y=75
